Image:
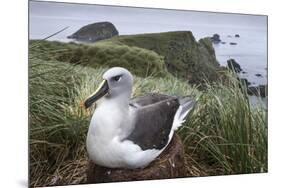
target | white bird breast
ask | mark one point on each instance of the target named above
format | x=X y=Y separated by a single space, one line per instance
x=104 y=140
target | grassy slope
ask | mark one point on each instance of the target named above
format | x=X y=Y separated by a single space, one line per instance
x=183 y=55
x=147 y=54
x=139 y=61
x=224 y=135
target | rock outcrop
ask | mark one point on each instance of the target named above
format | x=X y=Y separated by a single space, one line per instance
x=245 y=81
x=95 y=32
x=216 y=38
x=260 y=90
x=234 y=66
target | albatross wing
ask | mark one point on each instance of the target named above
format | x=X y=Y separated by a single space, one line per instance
x=157 y=117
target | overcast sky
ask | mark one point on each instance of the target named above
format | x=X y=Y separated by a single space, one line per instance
x=140 y=15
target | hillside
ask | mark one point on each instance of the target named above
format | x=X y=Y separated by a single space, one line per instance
x=184 y=57
x=148 y=54
x=139 y=61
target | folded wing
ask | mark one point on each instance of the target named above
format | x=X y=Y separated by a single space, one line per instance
x=155 y=115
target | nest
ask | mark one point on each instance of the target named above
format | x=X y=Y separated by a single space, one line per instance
x=170 y=164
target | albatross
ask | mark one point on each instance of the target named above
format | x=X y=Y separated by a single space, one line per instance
x=131 y=133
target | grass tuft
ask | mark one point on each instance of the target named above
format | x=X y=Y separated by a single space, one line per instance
x=226 y=131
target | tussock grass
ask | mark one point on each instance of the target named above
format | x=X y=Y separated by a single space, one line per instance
x=226 y=131
x=223 y=135
x=58 y=122
x=57 y=131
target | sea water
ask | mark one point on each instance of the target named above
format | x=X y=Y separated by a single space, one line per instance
x=250 y=50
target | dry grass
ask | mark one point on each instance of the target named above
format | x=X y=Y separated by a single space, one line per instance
x=69 y=172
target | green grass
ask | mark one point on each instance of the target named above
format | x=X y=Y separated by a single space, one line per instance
x=226 y=132
x=58 y=122
x=57 y=128
x=139 y=61
x=223 y=135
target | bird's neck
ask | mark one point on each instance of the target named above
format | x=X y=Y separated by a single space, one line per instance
x=110 y=117
x=121 y=99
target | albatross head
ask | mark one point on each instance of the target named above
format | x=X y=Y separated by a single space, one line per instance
x=117 y=83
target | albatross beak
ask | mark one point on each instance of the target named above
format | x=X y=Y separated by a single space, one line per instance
x=100 y=92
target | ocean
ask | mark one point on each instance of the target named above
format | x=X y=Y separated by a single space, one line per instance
x=46 y=18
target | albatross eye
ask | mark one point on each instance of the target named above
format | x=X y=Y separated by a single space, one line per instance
x=117 y=78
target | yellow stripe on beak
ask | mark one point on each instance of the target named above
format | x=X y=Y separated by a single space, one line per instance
x=97 y=90
x=101 y=91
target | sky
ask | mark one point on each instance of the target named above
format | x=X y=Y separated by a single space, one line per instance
x=148 y=19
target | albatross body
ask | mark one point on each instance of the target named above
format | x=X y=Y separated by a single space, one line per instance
x=131 y=133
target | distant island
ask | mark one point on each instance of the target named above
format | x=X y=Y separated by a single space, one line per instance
x=95 y=32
